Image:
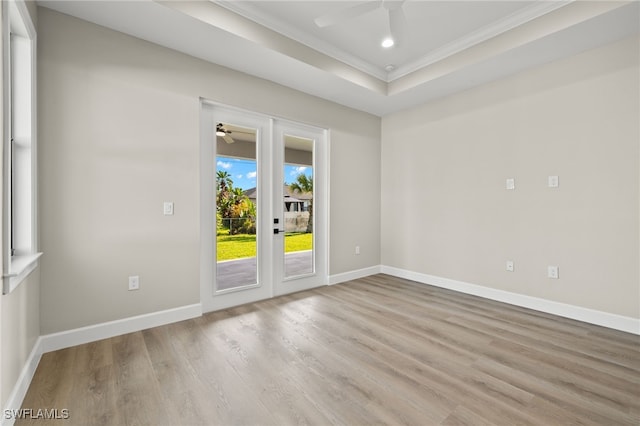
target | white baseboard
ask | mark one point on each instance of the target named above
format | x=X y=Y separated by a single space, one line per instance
x=78 y=336
x=353 y=275
x=14 y=402
x=592 y=316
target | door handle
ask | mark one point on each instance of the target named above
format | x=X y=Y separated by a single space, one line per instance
x=277 y=231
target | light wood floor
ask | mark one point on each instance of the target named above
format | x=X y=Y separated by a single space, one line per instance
x=378 y=350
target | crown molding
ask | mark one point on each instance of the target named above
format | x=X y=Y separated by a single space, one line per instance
x=248 y=11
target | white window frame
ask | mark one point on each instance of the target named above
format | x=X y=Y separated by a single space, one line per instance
x=19 y=201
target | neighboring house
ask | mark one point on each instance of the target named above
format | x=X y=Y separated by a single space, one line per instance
x=296 y=208
x=293 y=201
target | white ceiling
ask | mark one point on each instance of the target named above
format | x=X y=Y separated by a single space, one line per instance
x=448 y=46
x=430 y=25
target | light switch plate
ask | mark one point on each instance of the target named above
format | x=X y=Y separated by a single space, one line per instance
x=553 y=181
x=168 y=208
x=511 y=183
x=510 y=265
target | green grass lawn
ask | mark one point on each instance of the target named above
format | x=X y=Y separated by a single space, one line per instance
x=243 y=245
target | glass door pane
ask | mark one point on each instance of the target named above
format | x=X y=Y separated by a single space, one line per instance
x=236 y=207
x=298 y=206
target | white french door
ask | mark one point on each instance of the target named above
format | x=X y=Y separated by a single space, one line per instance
x=263 y=207
x=299 y=206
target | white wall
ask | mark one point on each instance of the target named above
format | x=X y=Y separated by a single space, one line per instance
x=445 y=210
x=119 y=134
x=19 y=330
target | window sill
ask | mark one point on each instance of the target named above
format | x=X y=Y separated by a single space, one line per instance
x=19 y=269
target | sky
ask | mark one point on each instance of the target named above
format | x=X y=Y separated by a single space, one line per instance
x=243 y=172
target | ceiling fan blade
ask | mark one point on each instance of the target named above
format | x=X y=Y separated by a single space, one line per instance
x=397 y=25
x=341 y=15
x=228 y=139
x=237 y=129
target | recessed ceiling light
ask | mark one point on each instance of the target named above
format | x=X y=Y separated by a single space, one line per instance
x=387 y=42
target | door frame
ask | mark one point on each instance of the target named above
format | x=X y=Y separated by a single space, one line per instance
x=266 y=287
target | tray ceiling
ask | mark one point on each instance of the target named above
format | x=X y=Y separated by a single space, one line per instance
x=448 y=46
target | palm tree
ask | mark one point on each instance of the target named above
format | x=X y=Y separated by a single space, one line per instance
x=304 y=184
x=223 y=180
x=233 y=206
x=224 y=186
x=237 y=195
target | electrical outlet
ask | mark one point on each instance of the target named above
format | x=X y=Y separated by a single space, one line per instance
x=552 y=272
x=134 y=282
x=357 y=251
x=553 y=182
x=510 y=265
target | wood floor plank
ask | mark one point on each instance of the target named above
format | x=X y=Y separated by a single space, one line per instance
x=258 y=356
x=620 y=376
x=138 y=395
x=427 y=368
x=183 y=394
x=99 y=405
x=338 y=361
x=321 y=364
x=50 y=387
x=377 y=350
x=230 y=398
